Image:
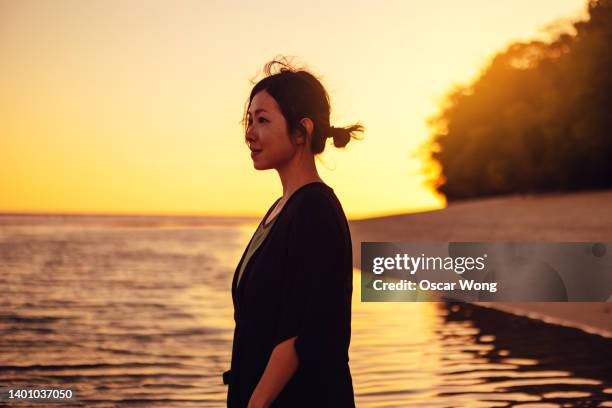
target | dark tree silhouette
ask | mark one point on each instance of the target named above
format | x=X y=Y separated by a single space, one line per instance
x=538 y=119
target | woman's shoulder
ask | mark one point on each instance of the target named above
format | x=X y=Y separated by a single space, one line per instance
x=315 y=194
x=316 y=201
x=317 y=215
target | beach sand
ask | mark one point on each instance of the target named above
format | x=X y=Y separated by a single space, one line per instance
x=559 y=217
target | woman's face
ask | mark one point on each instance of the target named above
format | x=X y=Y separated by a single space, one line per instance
x=267 y=133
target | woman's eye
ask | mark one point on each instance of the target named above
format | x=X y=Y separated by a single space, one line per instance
x=261 y=120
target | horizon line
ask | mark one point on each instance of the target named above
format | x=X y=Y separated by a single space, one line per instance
x=192 y=215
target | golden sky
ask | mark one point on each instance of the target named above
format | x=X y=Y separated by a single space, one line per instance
x=135 y=106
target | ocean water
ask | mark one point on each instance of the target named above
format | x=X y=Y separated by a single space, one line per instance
x=137 y=312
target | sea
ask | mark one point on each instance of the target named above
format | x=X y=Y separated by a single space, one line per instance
x=136 y=311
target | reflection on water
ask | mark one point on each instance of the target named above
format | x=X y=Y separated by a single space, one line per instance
x=137 y=312
x=456 y=355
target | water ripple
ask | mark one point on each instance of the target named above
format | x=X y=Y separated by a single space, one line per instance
x=137 y=313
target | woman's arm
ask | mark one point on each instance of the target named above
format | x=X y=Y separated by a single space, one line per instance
x=282 y=365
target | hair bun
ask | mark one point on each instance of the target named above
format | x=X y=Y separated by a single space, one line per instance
x=342 y=135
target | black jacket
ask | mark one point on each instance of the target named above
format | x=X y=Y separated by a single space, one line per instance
x=297 y=283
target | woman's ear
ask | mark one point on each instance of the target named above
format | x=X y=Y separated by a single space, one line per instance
x=309 y=126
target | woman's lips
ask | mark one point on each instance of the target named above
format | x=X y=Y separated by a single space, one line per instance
x=255 y=153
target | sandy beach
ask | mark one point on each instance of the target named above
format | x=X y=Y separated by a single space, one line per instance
x=562 y=217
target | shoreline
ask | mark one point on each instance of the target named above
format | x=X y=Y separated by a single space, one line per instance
x=557 y=217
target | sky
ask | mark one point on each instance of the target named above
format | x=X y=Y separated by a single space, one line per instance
x=134 y=107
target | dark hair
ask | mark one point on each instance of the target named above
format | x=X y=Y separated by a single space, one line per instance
x=300 y=95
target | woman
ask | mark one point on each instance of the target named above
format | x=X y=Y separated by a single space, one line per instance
x=292 y=287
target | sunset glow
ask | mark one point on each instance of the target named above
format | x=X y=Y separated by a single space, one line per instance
x=135 y=107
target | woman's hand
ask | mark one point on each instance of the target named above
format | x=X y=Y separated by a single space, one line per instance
x=282 y=365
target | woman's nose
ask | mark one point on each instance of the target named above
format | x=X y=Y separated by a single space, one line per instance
x=250 y=134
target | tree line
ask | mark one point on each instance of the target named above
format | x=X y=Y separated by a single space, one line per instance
x=537 y=119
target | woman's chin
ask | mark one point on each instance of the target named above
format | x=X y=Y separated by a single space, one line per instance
x=260 y=166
